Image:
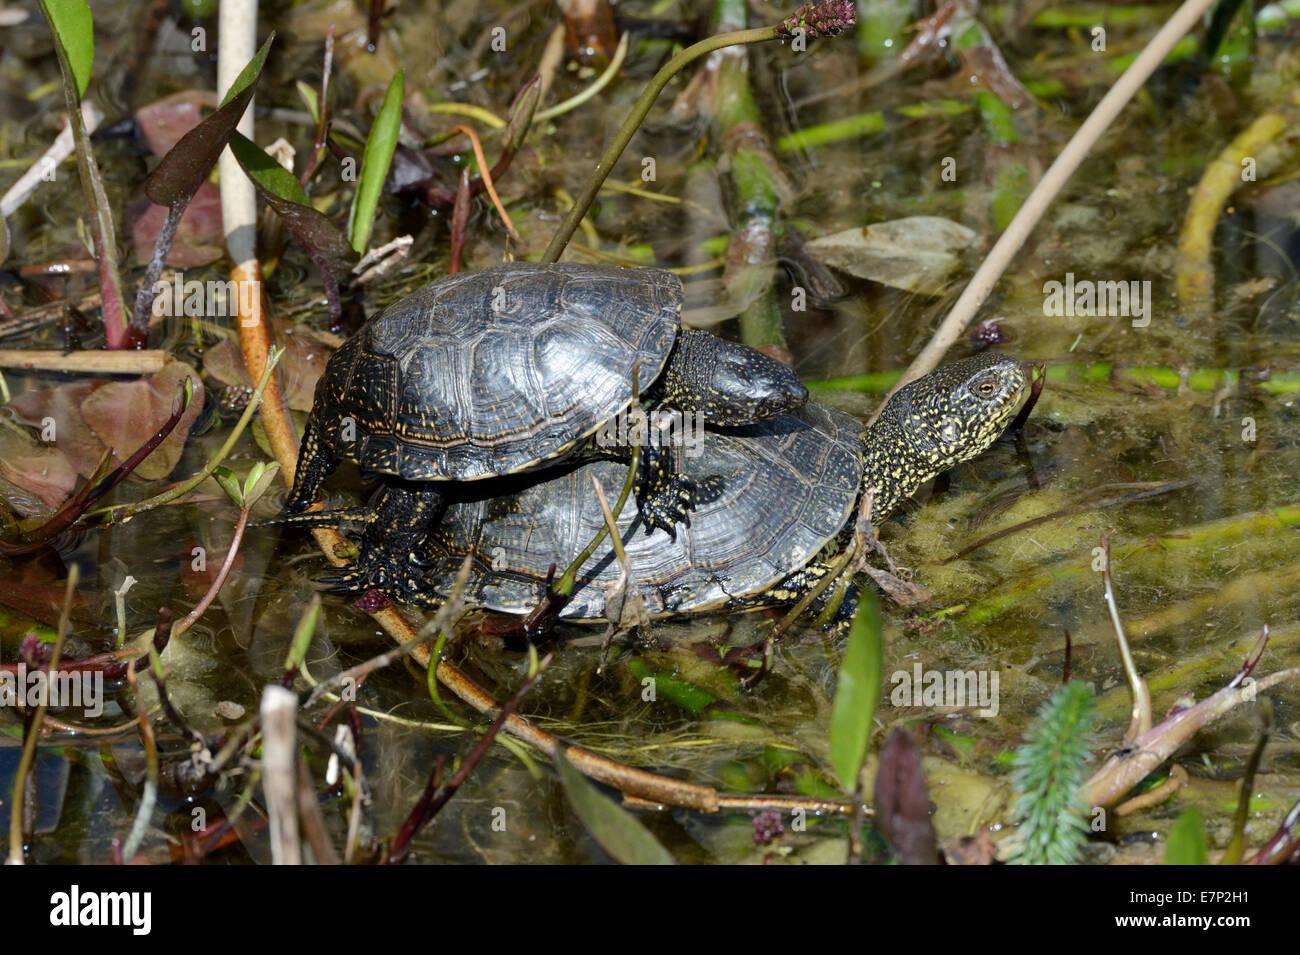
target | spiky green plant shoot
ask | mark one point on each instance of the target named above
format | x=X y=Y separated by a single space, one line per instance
x=1048 y=773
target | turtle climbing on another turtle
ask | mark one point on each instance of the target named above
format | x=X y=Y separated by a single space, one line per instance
x=511 y=369
x=790 y=494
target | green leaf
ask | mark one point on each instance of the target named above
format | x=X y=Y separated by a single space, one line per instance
x=258 y=480
x=186 y=166
x=266 y=172
x=857 y=693
x=74 y=31
x=309 y=100
x=1186 y=845
x=325 y=242
x=230 y=484
x=74 y=42
x=279 y=188
x=617 y=830
x=249 y=74
x=302 y=634
x=380 y=145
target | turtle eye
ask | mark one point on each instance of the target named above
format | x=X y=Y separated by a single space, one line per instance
x=986 y=387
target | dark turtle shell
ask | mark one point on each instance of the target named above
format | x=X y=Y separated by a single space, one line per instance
x=487 y=373
x=790 y=485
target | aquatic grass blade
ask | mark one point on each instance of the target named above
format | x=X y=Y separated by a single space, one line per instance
x=74 y=32
x=1186 y=845
x=380 y=145
x=308 y=96
x=617 y=831
x=857 y=693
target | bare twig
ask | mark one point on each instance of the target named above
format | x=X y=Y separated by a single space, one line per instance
x=143 y=362
x=43 y=169
x=1140 y=722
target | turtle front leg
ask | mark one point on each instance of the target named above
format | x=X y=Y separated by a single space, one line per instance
x=403 y=514
x=316 y=459
x=666 y=498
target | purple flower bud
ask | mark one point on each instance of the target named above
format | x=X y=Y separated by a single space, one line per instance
x=829 y=18
x=767 y=827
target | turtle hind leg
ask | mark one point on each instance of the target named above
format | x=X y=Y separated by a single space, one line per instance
x=666 y=498
x=795 y=587
x=386 y=561
x=316 y=459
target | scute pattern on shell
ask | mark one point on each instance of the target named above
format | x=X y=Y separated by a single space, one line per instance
x=790 y=486
x=492 y=372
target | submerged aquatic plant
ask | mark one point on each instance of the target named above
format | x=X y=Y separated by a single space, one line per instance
x=1048 y=776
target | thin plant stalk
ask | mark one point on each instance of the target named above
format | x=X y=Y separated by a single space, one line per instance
x=18 y=804
x=641 y=108
x=192 y=617
x=149 y=798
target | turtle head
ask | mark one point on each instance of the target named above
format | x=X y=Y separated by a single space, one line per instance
x=728 y=383
x=955 y=412
x=949 y=416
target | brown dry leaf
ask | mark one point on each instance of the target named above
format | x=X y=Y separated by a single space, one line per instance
x=42 y=471
x=901 y=591
x=971 y=850
x=624 y=606
x=305 y=353
x=56 y=413
x=917 y=254
x=126 y=414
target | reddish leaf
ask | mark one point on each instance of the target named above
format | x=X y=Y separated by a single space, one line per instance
x=36 y=589
x=163 y=122
x=56 y=413
x=126 y=414
x=187 y=164
x=199 y=240
x=902 y=807
x=42 y=471
x=305 y=354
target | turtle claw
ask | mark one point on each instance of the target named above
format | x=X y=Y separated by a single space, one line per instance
x=665 y=498
x=349 y=582
x=373 y=569
x=668 y=506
